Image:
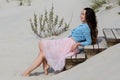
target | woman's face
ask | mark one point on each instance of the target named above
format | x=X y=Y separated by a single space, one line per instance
x=82 y=16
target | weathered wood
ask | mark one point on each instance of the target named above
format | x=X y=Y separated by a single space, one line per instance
x=80 y=55
x=77 y=56
x=112 y=35
x=86 y=51
x=109 y=35
x=90 y=49
x=102 y=45
x=96 y=48
x=75 y=59
x=117 y=34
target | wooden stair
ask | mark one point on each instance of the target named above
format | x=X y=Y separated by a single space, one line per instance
x=111 y=37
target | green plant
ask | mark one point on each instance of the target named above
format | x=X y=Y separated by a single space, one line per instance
x=119 y=13
x=108 y=7
x=23 y=2
x=7 y=0
x=119 y=2
x=97 y=4
x=29 y=2
x=48 y=24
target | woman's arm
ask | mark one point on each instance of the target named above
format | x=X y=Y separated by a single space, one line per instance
x=88 y=40
x=74 y=46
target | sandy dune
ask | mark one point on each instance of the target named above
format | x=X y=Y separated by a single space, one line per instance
x=19 y=46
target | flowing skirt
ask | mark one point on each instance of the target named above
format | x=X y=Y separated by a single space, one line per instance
x=57 y=50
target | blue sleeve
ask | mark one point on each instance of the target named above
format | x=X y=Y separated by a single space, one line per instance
x=88 y=40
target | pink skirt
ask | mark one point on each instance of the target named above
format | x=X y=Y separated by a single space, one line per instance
x=57 y=50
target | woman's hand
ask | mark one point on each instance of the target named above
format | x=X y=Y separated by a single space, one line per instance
x=74 y=47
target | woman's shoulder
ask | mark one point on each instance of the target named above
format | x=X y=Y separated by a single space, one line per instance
x=84 y=26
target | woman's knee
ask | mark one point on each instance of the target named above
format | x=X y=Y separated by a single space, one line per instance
x=41 y=54
x=40 y=45
x=41 y=49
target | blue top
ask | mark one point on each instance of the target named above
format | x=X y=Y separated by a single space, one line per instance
x=82 y=34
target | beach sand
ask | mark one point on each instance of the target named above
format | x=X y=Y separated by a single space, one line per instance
x=19 y=45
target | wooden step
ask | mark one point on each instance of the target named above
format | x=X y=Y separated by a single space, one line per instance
x=98 y=47
x=75 y=59
x=77 y=56
x=112 y=35
x=116 y=33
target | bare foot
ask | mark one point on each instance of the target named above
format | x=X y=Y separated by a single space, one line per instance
x=46 y=69
x=25 y=74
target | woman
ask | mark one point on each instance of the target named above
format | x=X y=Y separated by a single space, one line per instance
x=53 y=52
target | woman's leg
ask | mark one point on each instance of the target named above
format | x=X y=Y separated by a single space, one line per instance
x=45 y=66
x=40 y=58
x=35 y=64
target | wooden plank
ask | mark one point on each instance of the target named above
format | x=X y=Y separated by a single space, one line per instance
x=114 y=35
x=74 y=60
x=99 y=46
x=109 y=34
x=81 y=55
x=116 y=32
x=77 y=56
x=102 y=44
x=91 y=47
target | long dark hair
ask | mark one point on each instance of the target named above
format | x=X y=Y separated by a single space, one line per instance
x=92 y=22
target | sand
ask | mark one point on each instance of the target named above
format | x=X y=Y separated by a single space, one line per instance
x=19 y=45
